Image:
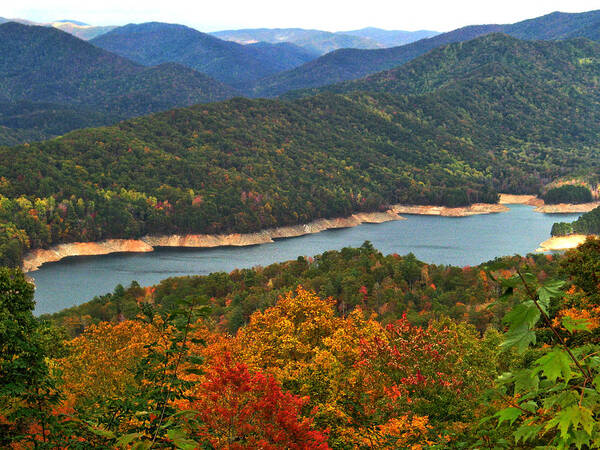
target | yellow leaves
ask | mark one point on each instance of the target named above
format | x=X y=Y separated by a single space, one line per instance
x=100 y=362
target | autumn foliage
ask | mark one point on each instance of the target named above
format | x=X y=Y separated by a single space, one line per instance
x=238 y=409
x=309 y=372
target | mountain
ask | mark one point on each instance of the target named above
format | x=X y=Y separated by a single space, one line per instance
x=21 y=21
x=231 y=63
x=558 y=25
x=82 y=30
x=316 y=41
x=540 y=61
x=74 y=27
x=495 y=114
x=391 y=38
x=349 y=64
x=74 y=22
x=52 y=82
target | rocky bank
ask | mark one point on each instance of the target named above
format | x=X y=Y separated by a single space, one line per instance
x=476 y=208
x=562 y=242
x=34 y=259
x=540 y=206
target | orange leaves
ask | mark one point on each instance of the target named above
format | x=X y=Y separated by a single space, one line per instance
x=295 y=365
x=590 y=316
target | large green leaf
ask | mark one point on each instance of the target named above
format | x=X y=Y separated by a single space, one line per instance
x=555 y=364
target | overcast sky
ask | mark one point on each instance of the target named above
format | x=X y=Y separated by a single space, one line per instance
x=333 y=15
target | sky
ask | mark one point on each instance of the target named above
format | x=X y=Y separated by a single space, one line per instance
x=331 y=15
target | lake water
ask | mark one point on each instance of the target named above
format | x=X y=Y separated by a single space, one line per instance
x=441 y=240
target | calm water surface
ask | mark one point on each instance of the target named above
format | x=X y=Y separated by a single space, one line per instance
x=441 y=240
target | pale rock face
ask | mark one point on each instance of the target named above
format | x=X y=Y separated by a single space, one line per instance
x=559 y=208
x=34 y=259
x=566 y=208
x=476 y=208
x=532 y=200
x=562 y=243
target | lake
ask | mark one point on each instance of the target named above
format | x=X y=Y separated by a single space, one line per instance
x=440 y=240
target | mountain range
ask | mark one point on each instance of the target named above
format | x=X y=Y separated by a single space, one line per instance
x=74 y=27
x=349 y=64
x=493 y=114
x=235 y=64
x=322 y=42
x=52 y=82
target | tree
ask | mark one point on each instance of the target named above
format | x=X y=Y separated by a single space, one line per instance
x=553 y=398
x=28 y=393
x=237 y=409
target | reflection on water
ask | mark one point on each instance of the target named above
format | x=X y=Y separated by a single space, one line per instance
x=440 y=240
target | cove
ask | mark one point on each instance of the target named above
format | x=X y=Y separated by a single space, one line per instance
x=433 y=239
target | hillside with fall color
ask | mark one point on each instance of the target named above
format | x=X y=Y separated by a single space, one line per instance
x=349 y=349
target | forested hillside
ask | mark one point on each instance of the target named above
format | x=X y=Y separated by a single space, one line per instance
x=392 y=285
x=52 y=82
x=588 y=223
x=369 y=351
x=563 y=64
x=229 y=62
x=350 y=64
x=246 y=165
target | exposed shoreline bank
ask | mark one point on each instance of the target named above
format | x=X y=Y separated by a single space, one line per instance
x=556 y=243
x=540 y=206
x=36 y=258
x=444 y=211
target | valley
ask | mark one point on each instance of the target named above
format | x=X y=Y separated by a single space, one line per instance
x=299 y=226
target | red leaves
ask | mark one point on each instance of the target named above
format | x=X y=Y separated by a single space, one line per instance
x=412 y=357
x=239 y=409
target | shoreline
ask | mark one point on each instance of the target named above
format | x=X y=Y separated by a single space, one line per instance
x=34 y=259
x=559 y=243
x=444 y=211
x=541 y=207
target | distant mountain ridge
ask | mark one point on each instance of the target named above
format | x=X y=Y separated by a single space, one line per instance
x=76 y=28
x=391 y=38
x=324 y=41
x=317 y=41
x=231 y=63
x=45 y=73
x=449 y=64
x=349 y=64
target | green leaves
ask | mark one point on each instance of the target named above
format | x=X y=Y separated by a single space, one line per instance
x=521 y=320
x=181 y=441
x=572 y=418
x=508 y=415
x=127 y=439
x=555 y=364
x=555 y=397
x=549 y=291
x=572 y=324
